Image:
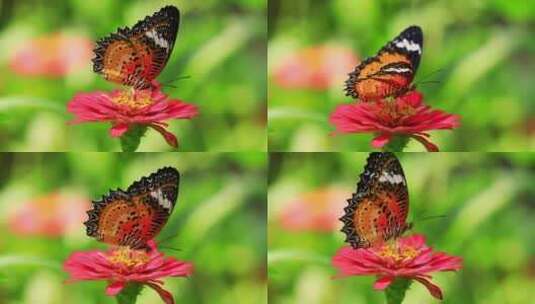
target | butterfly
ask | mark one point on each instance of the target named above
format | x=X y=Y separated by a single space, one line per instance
x=377 y=212
x=135 y=216
x=391 y=71
x=135 y=57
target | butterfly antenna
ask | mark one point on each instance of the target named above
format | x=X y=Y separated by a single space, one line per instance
x=426 y=76
x=429 y=82
x=168 y=238
x=431 y=217
x=168 y=83
x=182 y=77
x=171 y=248
x=426 y=82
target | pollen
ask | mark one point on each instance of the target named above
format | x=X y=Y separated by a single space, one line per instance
x=398 y=253
x=133 y=100
x=126 y=257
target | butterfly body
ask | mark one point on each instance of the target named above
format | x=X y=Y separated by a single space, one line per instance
x=136 y=56
x=391 y=71
x=377 y=212
x=135 y=216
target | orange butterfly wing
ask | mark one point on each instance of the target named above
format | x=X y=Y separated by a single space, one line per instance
x=377 y=212
x=391 y=71
x=135 y=216
x=134 y=57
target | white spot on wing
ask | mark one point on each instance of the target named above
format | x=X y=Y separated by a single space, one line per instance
x=391 y=178
x=152 y=34
x=397 y=70
x=408 y=45
x=162 y=200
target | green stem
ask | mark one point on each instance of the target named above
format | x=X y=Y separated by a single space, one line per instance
x=395 y=293
x=129 y=293
x=131 y=139
x=396 y=144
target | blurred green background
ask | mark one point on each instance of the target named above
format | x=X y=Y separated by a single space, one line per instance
x=481 y=52
x=220 y=44
x=219 y=223
x=488 y=201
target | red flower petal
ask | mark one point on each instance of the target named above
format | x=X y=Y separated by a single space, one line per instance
x=381 y=140
x=434 y=290
x=406 y=115
x=383 y=282
x=95 y=106
x=169 y=137
x=351 y=261
x=408 y=258
x=166 y=296
x=115 y=288
x=425 y=257
x=118 y=130
x=144 y=268
x=125 y=108
x=90 y=265
x=413 y=98
x=415 y=241
x=429 y=146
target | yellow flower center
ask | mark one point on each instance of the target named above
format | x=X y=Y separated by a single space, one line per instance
x=398 y=253
x=133 y=100
x=127 y=257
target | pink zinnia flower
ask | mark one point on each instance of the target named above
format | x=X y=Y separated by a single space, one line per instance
x=126 y=108
x=317 y=67
x=318 y=210
x=408 y=257
x=54 y=55
x=122 y=265
x=406 y=115
x=52 y=215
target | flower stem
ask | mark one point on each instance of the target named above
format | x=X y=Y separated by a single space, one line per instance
x=129 y=293
x=396 y=144
x=395 y=293
x=131 y=139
